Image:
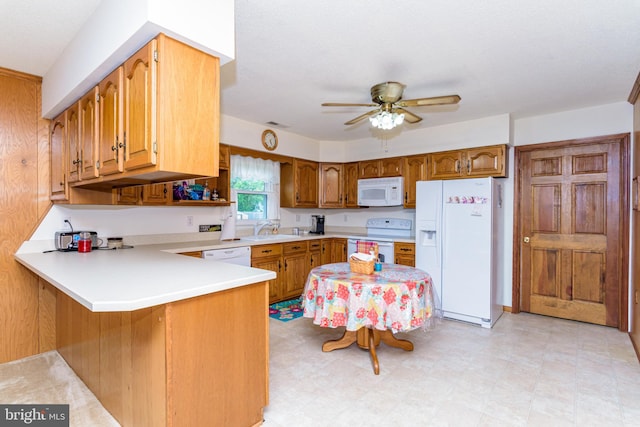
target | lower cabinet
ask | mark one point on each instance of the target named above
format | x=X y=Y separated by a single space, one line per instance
x=333 y=250
x=404 y=253
x=269 y=257
x=295 y=268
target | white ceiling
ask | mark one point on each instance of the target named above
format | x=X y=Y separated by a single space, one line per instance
x=525 y=57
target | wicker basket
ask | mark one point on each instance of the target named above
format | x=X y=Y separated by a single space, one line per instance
x=359 y=266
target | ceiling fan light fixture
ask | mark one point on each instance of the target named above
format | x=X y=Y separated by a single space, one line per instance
x=386 y=120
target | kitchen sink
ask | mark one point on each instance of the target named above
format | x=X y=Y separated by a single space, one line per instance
x=263 y=237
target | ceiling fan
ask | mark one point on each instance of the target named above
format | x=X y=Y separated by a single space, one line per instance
x=391 y=111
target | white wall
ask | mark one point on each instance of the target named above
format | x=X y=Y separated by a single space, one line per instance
x=129 y=24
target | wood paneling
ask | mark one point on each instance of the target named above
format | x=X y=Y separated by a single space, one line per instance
x=24 y=179
x=634 y=98
x=200 y=361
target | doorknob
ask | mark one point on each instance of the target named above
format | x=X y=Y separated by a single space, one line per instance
x=526 y=239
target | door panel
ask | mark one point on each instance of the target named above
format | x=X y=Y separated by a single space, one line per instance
x=570 y=214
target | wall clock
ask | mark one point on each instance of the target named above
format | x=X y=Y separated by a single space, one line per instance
x=269 y=139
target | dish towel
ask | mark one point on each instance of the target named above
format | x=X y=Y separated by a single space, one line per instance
x=366 y=247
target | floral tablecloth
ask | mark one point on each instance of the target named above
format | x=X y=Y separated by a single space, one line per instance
x=398 y=298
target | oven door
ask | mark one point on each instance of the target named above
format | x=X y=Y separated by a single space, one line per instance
x=385 y=248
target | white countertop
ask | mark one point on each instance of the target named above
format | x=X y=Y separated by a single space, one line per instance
x=146 y=275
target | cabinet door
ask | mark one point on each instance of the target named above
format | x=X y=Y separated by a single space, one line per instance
x=110 y=119
x=58 y=158
x=89 y=134
x=339 y=250
x=485 y=161
x=447 y=164
x=225 y=159
x=128 y=195
x=369 y=168
x=331 y=185
x=73 y=143
x=155 y=194
x=351 y=185
x=315 y=255
x=391 y=167
x=404 y=253
x=306 y=183
x=325 y=255
x=415 y=169
x=139 y=105
x=275 y=286
x=295 y=269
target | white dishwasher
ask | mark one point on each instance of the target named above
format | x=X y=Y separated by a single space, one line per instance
x=240 y=256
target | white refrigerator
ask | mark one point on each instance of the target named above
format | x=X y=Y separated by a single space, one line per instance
x=459 y=236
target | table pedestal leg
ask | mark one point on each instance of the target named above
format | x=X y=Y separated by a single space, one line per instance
x=347 y=339
x=368 y=339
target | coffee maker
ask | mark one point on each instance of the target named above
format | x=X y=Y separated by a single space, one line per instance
x=317 y=224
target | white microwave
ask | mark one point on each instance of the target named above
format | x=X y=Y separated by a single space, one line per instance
x=380 y=191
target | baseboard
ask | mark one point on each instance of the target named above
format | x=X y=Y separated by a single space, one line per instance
x=506 y=308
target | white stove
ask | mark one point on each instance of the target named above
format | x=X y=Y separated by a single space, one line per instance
x=382 y=231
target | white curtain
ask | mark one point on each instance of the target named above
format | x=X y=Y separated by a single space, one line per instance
x=261 y=170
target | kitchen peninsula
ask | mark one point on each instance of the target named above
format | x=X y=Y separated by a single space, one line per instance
x=160 y=338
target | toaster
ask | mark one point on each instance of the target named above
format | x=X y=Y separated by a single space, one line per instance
x=68 y=240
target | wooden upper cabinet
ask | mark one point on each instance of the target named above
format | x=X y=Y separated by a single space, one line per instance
x=473 y=162
x=331 y=185
x=111 y=139
x=73 y=143
x=58 y=155
x=486 y=161
x=299 y=184
x=391 y=166
x=369 y=168
x=351 y=185
x=140 y=77
x=89 y=134
x=381 y=167
x=415 y=169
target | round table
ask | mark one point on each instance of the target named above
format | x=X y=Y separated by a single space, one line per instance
x=371 y=307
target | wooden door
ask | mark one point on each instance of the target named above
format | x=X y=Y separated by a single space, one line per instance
x=331 y=185
x=571 y=204
x=139 y=106
x=275 y=286
x=88 y=121
x=111 y=129
x=351 y=185
x=415 y=169
x=295 y=274
x=325 y=256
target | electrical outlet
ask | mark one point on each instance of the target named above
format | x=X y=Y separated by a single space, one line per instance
x=297 y=218
x=189 y=221
x=66 y=224
x=346 y=218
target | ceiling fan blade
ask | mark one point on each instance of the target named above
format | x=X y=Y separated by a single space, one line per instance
x=408 y=116
x=436 y=100
x=361 y=117
x=339 y=104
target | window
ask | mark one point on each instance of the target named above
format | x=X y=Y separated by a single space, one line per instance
x=255 y=187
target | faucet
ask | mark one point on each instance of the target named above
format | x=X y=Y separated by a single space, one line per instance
x=259 y=226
